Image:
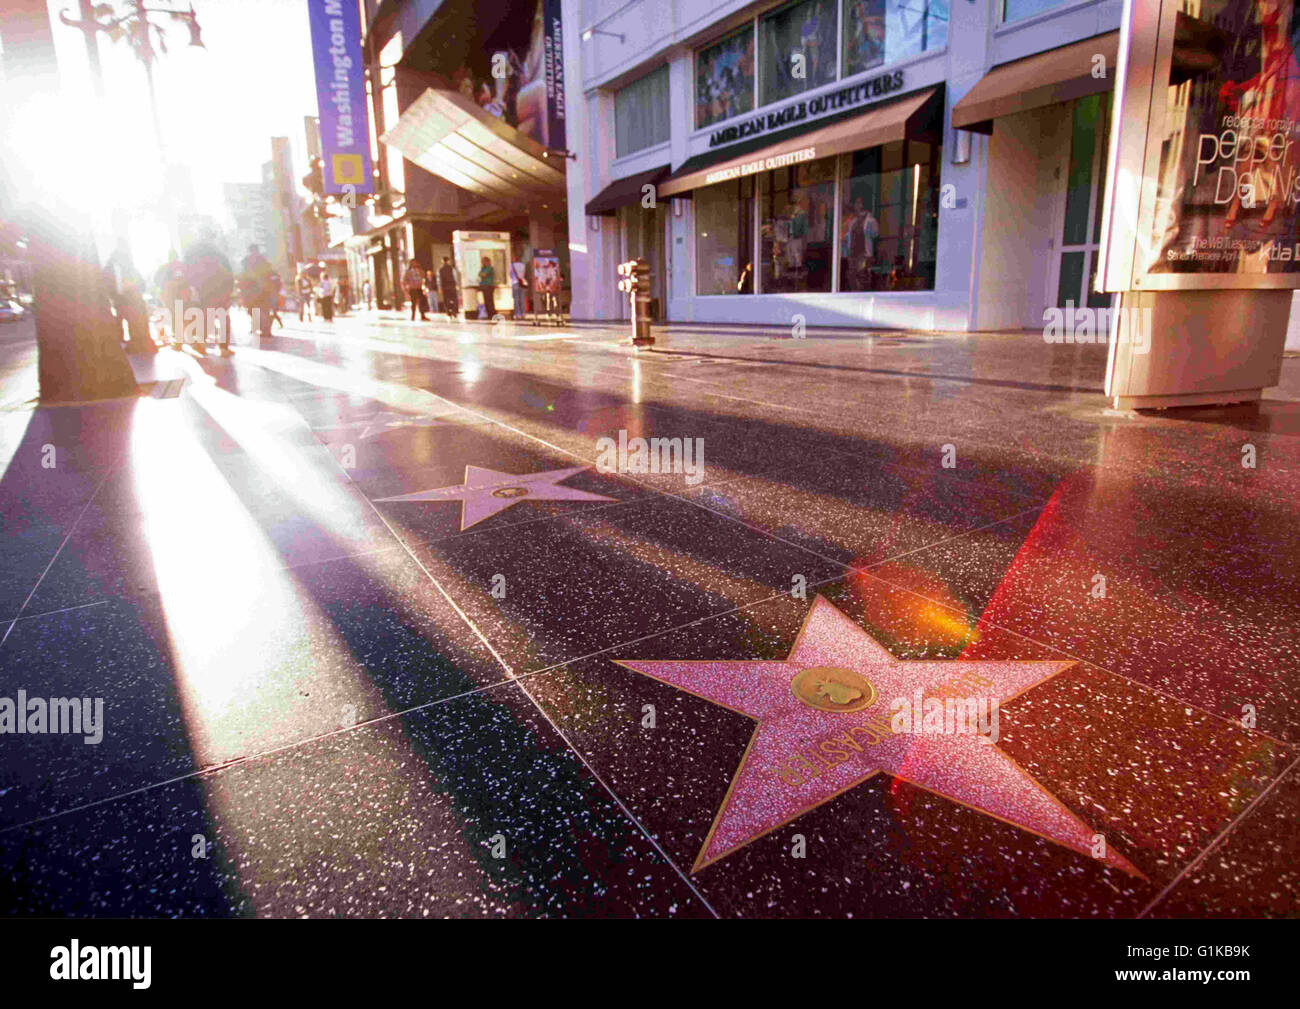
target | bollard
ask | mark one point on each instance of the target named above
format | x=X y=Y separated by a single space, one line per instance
x=635 y=274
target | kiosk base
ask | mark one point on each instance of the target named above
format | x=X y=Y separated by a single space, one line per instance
x=1195 y=348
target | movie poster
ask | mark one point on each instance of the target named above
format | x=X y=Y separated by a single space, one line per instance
x=525 y=85
x=724 y=79
x=546 y=272
x=797 y=49
x=1229 y=173
x=864 y=35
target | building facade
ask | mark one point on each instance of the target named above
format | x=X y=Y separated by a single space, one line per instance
x=925 y=164
x=249 y=218
x=465 y=139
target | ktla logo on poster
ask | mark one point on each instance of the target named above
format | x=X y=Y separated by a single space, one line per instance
x=1255 y=151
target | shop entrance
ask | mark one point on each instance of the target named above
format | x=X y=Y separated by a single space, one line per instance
x=645 y=232
x=1076 y=228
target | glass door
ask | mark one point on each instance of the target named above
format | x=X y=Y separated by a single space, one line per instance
x=1078 y=225
x=643 y=238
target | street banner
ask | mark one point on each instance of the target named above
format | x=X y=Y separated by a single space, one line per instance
x=554 y=63
x=341 y=96
x=1204 y=181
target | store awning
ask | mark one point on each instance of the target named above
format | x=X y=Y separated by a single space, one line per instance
x=625 y=192
x=447 y=134
x=1058 y=75
x=881 y=124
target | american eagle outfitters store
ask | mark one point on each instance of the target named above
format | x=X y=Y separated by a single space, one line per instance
x=847 y=204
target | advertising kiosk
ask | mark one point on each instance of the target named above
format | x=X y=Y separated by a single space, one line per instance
x=469 y=249
x=1201 y=236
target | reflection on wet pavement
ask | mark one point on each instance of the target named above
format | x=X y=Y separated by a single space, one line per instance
x=375 y=618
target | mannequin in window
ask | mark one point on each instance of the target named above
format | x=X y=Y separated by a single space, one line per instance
x=794 y=249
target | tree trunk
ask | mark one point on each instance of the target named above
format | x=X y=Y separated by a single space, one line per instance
x=80 y=355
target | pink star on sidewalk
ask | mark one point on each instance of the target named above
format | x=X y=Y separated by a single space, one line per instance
x=486 y=492
x=824 y=726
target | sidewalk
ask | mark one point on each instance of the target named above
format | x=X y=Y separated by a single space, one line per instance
x=376 y=631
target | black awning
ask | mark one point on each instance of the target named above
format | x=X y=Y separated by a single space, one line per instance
x=624 y=192
x=1034 y=82
x=912 y=115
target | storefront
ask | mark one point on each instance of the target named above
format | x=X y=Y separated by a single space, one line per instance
x=842 y=206
x=630 y=205
x=1047 y=120
x=857 y=163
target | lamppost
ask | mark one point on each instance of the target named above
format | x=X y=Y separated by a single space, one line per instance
x=136 y=27
x=149 y=40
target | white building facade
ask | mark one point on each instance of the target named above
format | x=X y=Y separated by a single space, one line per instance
x=916 y=164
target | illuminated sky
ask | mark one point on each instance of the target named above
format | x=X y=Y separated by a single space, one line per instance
x=219 y=106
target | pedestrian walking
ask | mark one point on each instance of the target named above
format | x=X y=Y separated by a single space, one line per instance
x=124 y=283
x=213 y=284
x=487 y=282
x=368 y=295
x=277 y=295
x=431 y=289
x=173 y=290
x=258 y=287
x=306 y=294
x=447 y=282
x=413 y=281
x=519 y=287
x=327 y=298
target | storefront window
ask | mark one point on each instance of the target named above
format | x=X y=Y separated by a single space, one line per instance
x=797 y=44
x=724 y=78
x=889 y=217
x=641 y=113
x=724 y=242
x=797 y=209
x=882 y=31
x=1018 y=10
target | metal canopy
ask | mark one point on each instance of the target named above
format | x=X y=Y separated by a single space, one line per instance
x=447 y=134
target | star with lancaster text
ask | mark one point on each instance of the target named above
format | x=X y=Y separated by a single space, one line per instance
x=824 y=723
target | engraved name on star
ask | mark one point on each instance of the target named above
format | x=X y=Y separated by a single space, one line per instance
x=824 y=725
x=487 y=491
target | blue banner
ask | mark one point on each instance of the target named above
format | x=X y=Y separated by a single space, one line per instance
x=341 y=96
x=554 y=69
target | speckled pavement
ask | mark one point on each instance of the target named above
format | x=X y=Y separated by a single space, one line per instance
x=385 y=622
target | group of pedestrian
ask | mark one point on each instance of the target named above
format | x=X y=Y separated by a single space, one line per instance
x=487 y=282
x=199 y=290
x=429 y=294
x=319 y=297
x=259 y=291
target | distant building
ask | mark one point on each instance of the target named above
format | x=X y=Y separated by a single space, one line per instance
x=286 y=250
x=248 y=217
x=315 y=237
x=468 y=123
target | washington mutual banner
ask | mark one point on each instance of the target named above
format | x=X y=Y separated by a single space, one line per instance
x=341 y=95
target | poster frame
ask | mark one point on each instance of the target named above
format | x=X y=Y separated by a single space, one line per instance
x=1146 y=48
